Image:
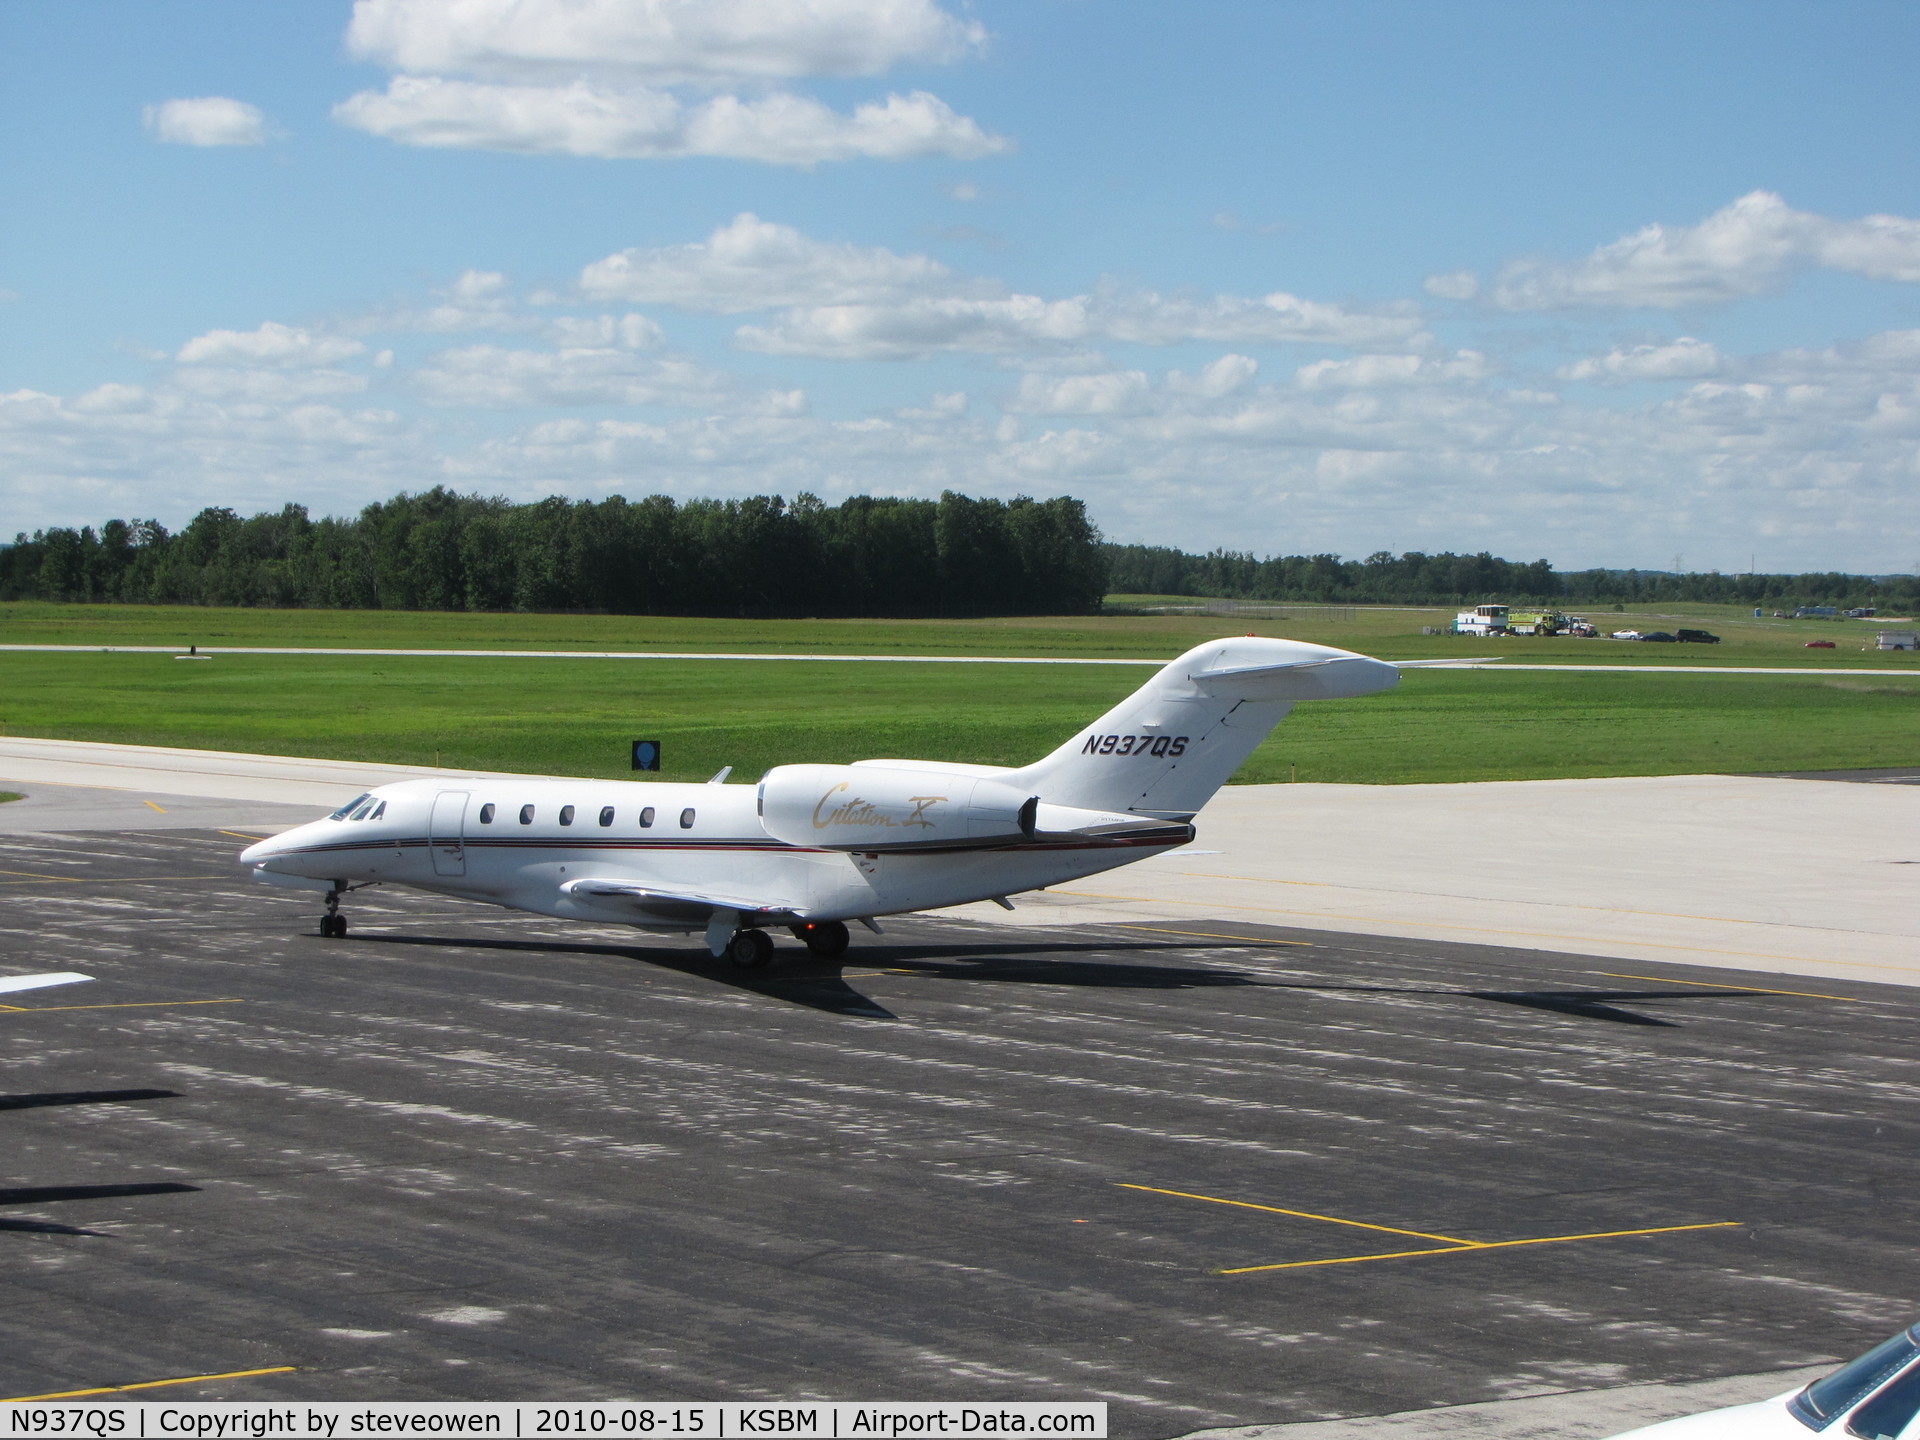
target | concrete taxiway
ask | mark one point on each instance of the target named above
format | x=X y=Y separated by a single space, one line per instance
x=1799 y=876
x=1218 y=1173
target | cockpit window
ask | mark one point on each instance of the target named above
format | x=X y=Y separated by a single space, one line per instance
x=1816 y=1405
x=348 y=808
x=606 y=816
x=526 y=814
x=378 y=811
x=566 y=814
x=486 y=813
x=362 y=810
x=1888 y=1414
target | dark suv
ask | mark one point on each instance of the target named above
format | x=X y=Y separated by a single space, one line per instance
x=1698 y=637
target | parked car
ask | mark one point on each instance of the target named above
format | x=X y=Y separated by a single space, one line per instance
x=1819 y=645
x=1624 y=635
x=1697 y=637
x=1877 y=1396
x=1659 y=635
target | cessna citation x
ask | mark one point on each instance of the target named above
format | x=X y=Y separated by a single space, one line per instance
x=814 y=846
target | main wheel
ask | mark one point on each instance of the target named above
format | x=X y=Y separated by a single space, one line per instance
x=333 y=927
x=825 y=938
x=750 y=949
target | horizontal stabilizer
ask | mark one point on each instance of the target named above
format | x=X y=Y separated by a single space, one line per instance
x=13 y=984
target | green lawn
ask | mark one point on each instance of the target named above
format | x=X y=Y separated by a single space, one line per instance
x=1391 y=633
x=577 y=716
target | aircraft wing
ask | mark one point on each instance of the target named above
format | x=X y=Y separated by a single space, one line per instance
x=669 y=901
x=9 y=984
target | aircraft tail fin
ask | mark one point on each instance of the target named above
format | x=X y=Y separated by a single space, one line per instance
x=1167 y=747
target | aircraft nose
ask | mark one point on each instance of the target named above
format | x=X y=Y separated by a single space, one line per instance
x=262 y=850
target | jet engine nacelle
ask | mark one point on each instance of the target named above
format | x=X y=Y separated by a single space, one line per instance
x=846 y=807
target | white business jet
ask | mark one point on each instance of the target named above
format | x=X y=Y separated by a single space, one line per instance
x=814 y=846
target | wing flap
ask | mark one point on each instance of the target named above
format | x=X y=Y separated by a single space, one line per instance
x=667 y=901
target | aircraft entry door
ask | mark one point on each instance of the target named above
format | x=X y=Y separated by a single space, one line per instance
x=445 y=833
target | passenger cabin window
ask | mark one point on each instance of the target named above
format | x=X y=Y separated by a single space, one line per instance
x=686 y=819
x=486 y=813
x=646 y=818
x=566 y=814
x=606 y=816
x=348 y=808
x=526 y=814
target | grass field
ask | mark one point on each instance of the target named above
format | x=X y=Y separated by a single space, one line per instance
x=1392 y=634
x=577 y=716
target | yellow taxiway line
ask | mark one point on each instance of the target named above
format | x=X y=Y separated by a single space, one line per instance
x=1477 y=1245
x=147 y=1385
x=161 y=808
x=1454 y=1245
x=1301 y=1214
x=121 y=1005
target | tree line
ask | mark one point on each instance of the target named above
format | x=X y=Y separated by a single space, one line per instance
x=1416 y=578
x=756 y=557
x=762 y=556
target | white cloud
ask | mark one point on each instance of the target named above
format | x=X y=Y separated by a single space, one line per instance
x=1218 y=378
x=595 y=77
x=755 y=264
x=1682 y=359
x=208 y=120
x=271 y=344
x=1750 y=247
x=629 y=332
x=494 y=377
x=1454 y=285
x=1367 y=372
x=1119 y=393
x=912 y=328
x=707 y=42
x=477 y=300
x=854 y=302
x=640 y=123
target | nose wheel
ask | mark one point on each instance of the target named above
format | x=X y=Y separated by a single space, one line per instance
x=333 y=925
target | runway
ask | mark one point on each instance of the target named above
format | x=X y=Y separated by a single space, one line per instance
x=469 y=1154
x=1500 y=662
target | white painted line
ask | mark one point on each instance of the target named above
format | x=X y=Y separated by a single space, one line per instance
x=571 y=654
x=1448 y=663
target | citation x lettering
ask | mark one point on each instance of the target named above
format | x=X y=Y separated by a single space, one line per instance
x=811 y=847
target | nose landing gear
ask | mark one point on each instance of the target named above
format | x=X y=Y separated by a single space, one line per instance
x=333 y=925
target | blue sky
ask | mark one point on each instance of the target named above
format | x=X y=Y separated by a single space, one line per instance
x=1606 y=283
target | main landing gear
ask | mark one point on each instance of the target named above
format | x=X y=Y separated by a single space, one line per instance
x=827 y=939
x=753 y=949
x=750 y=949
x=333 y=925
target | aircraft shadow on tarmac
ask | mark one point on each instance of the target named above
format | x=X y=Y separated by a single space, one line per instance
x=49 y=1194
x=821 y=984
x=82 y=1097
